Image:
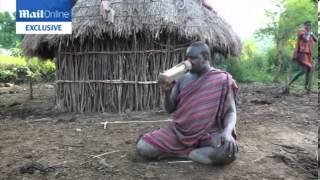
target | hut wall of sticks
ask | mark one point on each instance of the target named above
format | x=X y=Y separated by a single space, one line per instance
x=117 y=49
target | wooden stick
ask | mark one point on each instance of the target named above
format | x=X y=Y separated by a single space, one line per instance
x=106 y=153
x=176 y=162
x=38 y=120
x=98 y=156
x=107 y=81
x=128 y=122
x=71 y=145
x=31 y=88
x=120 y=86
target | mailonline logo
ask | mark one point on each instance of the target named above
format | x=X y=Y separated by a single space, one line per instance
x=43 y=17
x=43 y=14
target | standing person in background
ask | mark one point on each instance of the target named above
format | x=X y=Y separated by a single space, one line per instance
x=303 y=55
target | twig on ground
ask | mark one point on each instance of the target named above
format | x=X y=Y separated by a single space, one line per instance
x=103 y=162
x=98 y=156
x=176 y=162
x=71 y=145
x=128 y=122
x=103 y=154
x=38 y=120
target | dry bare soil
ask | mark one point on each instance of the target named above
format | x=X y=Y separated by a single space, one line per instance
x=278 y=140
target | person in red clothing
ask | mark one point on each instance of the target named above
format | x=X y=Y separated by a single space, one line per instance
x=204 y=115
x=303 y=54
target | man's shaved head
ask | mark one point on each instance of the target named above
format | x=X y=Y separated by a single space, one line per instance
x=199 y=48
x=198 y=54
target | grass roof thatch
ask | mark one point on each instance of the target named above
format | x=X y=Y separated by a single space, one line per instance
x=187 y=18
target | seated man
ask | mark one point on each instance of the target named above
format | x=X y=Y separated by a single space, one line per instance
x=204 y=115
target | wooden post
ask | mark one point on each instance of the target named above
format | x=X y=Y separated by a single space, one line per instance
x=120 y=85
x=135 y=70
x=31 y=88
x=279 y=61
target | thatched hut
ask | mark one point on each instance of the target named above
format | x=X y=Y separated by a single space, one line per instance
x=111 y=62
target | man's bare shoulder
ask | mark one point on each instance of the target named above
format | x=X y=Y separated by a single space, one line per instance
x=186 y=79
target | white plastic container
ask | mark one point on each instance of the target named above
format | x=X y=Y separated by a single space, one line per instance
x=174 y=73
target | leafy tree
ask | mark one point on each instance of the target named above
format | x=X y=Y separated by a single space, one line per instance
x=284 y=23
x=249 y=51
x=8 y=36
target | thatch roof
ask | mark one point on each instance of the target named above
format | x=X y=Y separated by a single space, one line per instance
x=190 y=20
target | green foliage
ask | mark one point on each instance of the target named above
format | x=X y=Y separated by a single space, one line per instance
x=255 y=66
x=8 y=36
x=7 y=75
x=48 y=71
x=245 y=71
x=16 y=51
x=13 y=73
x=284 y=22
x=251 y=66
x=22 y=73
x=17 y=69
x=6 y=60
x=271 y=58
x=41 y=70
x=296 y=13
x=287 y=17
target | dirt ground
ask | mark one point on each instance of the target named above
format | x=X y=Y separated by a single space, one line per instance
x=278 y=140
